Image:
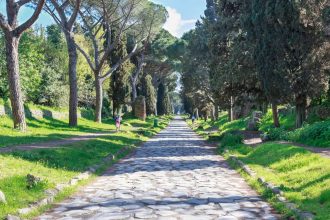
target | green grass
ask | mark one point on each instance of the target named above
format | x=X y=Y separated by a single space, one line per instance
x=218 y=128
x=48 y=129
x=287 y=122
x=59 y=165
x=304 y=177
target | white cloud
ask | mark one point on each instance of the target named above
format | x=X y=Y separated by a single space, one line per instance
x=176 y=25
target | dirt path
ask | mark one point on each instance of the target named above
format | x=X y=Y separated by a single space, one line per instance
x=324 y=152
x=253 y=139
x=54 y=143
x=174 y=175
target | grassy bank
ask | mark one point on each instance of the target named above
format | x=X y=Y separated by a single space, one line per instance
x=55 y=166
x=40 y=130
x=315 y=133
x=304 y=177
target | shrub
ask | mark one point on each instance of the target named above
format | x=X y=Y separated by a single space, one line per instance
x=317 y=134
x=231 y=139
x=276 y=134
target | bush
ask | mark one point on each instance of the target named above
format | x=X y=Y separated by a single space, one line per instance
x=287 y=121
x=231 y=139
x=276 y=134
x=317 y=134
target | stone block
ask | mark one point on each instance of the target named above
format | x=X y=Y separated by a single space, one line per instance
x=140 y=108
x=2 y=110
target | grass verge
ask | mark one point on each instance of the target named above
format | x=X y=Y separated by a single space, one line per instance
x=286 y=166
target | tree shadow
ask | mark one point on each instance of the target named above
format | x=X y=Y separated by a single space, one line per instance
x=174 y=202
x=75 y=156
x=135 y=165
x=275 y=155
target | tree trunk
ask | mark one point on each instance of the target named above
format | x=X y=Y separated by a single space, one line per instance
x=116 y=108
x=73 y=101
x=99 y=100
x=197 y=114
x=229 y=114
x=232 y=118
x=134 y=91
x=301 y=103
x=213 y=113
x=275 y=115
x=14 y=82
x=216 y=113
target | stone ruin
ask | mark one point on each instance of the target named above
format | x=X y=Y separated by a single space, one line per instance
x=253 y=123
x=140 y=110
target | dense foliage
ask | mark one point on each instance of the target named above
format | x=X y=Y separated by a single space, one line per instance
x=245 y=56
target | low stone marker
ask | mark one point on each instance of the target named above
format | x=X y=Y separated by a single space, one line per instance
x=140 y=108
x=253 y=123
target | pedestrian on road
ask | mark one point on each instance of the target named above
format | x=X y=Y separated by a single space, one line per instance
x=118 y=122
x=193 y=120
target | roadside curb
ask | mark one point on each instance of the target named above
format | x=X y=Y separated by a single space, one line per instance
x=303 y=215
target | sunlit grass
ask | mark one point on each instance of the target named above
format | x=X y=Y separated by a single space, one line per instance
x=304 y=177
x=48 y=129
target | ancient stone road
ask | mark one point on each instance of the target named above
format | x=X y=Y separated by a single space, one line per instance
x=175 y=175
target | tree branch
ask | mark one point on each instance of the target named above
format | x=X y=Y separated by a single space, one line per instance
x=22 y=2
x=74 y=14
x=4 y=24
x=88 y=59
x=119 y=63
x=20 y=29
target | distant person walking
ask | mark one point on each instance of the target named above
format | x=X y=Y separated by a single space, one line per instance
x=193 y=120
x=118 y=122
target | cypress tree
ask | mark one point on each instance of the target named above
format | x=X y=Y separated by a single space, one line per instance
x=119 y=83
x=160 y=99
x=164 y=106
x=268 y=29
x=150 y=94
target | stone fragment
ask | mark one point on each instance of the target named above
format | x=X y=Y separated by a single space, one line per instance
x=12 y=217
x=2 y=198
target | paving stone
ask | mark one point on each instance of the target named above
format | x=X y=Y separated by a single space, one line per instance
x=227 y=218
x=114 y=216
x=243 y=214
x=196 y=217
x=165 y=213
x=175 y=175
x=144 y=215
x=229 y=207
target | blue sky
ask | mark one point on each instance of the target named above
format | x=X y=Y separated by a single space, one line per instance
x=182 y=14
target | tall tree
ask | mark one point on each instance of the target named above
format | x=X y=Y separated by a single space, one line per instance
x=119 y=82
x=149 y=93
x=65 y=13
x=13 y=31
x=307 y=54
x=164 y=106
x=98 y=19
x=266 y=30
x=157 y=15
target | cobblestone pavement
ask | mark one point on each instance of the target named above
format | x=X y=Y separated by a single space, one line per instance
x=175 y=175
